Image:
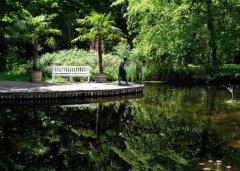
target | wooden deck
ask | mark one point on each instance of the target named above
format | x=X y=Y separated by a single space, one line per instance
x=24 y=90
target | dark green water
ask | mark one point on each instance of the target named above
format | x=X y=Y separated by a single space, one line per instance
x=170 y=128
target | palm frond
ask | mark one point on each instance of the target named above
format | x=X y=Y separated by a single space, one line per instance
x=117 y=2
x=104 y=31
x=81 y=21
x=54 y=31
x=50 y=17
x=88 y=36
x=50 y=41
x=77 y=39
x=106 y=20
x=100 y=25
x=81 y=30
x=110 y=37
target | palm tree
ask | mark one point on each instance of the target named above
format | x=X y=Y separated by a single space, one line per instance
x=97 y=27
x=32 y=29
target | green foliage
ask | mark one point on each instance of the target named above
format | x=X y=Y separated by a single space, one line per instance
x=147 y=150
x=199 y=32
x=117 y=2
x=123 y=50
x=19 y=75
x=170 y=128
x=26 y=26
x=230 y=69
x=134 y=65
x=80 y=57
x=11 y=165
x=13 y=61
x=97 y=27
x=167 y=36
x=176 y=127
x=85 y=133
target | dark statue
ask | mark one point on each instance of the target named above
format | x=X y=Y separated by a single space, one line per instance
x=122 y=72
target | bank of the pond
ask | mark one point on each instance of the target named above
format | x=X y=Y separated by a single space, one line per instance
x=190 y=79
x=45 y=90
x=195 y=75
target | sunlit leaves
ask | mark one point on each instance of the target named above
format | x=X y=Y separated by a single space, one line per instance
x=28 y=25
x=6 y=18
x=178 y=32
x=50 y=41
x=118 y=2
x=84 y=133
x=96 y=25
x=54 y=31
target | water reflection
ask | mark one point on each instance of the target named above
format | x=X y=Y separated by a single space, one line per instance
x=175 y=128
x=170 y=128
x=59 y=137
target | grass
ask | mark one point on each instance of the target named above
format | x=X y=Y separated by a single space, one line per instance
x=13 y=76
x=230 y=69
x=227 y=69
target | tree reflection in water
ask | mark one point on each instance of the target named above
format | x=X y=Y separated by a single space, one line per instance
x=176 y=128
x=59 y=137
x=170 y=128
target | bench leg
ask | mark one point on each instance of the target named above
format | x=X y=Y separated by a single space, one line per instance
x=88 y=78
x=53 y=79
x=70 y=79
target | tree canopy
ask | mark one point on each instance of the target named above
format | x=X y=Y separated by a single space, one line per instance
x=97 y=28
x=162 y=34
x=205 y=32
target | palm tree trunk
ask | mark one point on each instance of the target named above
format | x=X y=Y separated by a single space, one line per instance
x=99 y=49
x=98 y=115
x=35 y=52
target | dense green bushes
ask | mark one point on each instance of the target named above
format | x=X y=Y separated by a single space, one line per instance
x=200 y=74
x=80 y=57
x=138 y=68
x=13 y=76
x=231 y=69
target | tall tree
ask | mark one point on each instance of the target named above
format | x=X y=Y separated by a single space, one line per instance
x=97 y=27
x=4 y=10
x=31 y=29
x=200 y=32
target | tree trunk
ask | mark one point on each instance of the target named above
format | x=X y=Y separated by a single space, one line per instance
x=35 y=53
x=212 y=42
x=103 y=46
x=98 y=115
x=69 y=34
x=3 y=60
x=99 y=49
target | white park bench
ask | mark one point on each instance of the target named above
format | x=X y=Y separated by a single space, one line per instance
x=71 y=71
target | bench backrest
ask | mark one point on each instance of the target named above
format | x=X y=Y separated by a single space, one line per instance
x=71 y=69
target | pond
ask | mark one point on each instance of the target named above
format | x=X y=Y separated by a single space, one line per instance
x=169 y=128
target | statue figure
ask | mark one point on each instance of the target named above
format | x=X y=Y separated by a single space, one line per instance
x=122 y=72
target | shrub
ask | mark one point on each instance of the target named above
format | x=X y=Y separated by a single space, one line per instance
x=80 y=57
x=230 y=69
